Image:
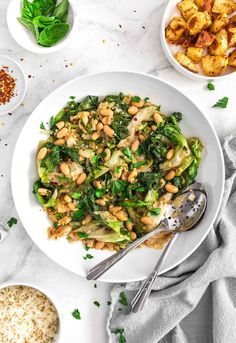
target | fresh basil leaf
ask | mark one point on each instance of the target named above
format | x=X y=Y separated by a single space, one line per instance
x=123 y=299
x=135 y=98
x=12 y=221
x=61 y=10
x=88 y=257
x=53 y=34
x=210 y=86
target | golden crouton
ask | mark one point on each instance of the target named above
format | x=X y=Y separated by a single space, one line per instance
x=219 y=22
x=198 y=21
x=204 y=38
x=175 y=30
x=186 y=62
x=214 y=65
x=224 y=6
x=195 y=54
x=220 y=44
x=187 y=8
x=204 y=5
x=231 y=39
x=232 y=59
x=232 y=24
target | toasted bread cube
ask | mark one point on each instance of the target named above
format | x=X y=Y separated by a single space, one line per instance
x=204 y=38
x=232 y=24
x=198 y=22
x=219 y=23
x=187 y=8
x=175 y=30
x=185 y=62
x=231 y=39
x=204 y=5
x=195 y=54
x=232 y=59
x=214 y=65
x=224 y=6
x=219 y=46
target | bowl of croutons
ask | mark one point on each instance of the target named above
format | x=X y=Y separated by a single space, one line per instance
x=199 y=37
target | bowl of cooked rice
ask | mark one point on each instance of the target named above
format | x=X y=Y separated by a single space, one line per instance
x=28 y=314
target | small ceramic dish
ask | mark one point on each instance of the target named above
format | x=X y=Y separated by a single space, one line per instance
x=13 y=69
x=170 y=49
x=58 y=336
x=26 y=39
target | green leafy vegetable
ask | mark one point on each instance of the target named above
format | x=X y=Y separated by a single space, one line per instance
x=76 y=195
x=12 y=221
x=45 y=20
x=210 y=86
x=127 y=152
x=53 y=34
x=222 y=103
x=123 y=299
x=82 y=234
x=135 y=98
x=155 y=211
x=76 y=314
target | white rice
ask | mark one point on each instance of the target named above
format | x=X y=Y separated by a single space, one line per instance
x=26 y=316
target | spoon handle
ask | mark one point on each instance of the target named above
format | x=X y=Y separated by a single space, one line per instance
x=3 y=231
x=140 y=298
x=105 y=265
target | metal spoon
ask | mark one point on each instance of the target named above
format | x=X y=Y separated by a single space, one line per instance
x=189 y=215
x=169 y=224
x=3 y=231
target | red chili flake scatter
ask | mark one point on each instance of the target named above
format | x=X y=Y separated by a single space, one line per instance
x=7 y=85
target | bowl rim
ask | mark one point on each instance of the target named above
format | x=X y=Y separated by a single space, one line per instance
x=24 y=89
x=41 y=49
x=221 y=176
x=43 y=291
x=172 y=60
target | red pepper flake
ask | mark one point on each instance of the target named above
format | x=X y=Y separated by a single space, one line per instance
x=7 y=85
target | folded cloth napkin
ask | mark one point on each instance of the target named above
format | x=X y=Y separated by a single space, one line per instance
x=196 y=301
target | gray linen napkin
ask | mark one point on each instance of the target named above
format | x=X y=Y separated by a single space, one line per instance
x=196 y=301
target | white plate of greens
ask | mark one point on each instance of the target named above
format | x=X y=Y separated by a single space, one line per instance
x=42 y=26
x=74 y=257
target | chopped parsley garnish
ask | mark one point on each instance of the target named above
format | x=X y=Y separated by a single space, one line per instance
x=155 y=211
x=122 y=299
x=210 y=86
x=146 y=99
x=76 y=314
x=135 y=98
x=222 y=103
x=86 y=248
x=82 y=234
x=118 y=186
x=96 y=303
x=42 y=127
x=139 y=164
x=88 y=257
x=117 y=169
x=120 y=332
x=72 y=97
x=12 y=221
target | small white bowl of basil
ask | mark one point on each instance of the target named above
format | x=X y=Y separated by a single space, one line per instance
x=42 y=26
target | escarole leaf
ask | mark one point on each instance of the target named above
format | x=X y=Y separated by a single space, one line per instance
x=191 y=172
x=88 y=103
x=109 y=236
x=48 y=200
x=107 y=219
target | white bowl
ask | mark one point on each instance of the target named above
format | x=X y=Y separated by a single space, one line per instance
x=138 y=264
x=18 y=74
x=26 y=39
x=58 y=337
x=170 y=49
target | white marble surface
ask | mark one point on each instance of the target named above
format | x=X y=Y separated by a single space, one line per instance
x=112 y=34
